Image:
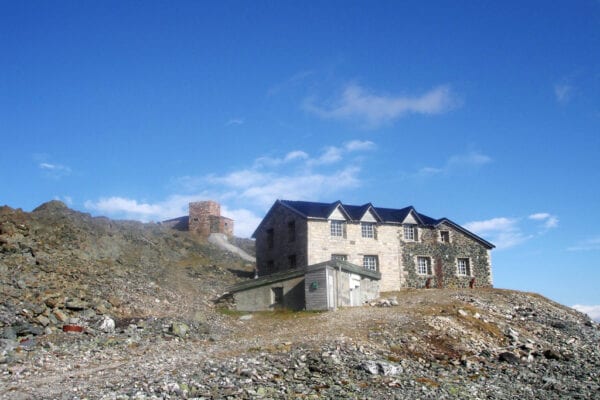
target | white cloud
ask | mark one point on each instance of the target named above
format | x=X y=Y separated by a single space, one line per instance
x=509 y=232
x=563 y=92
x=246 y=193
x=234 y=121
x=549 y=221
x=586 y=245
x=244 y=221
x=469 y=159
x=54 y=170
x=359 y=145
x=592 y=311
x=301 y=186
x=68 y=200
x=117 y=205
x=357 y=103
x=295 y=155
x=330 y=155
x=491 y=225
x=502 y=232
x=292 y=156
x=454 y=164
x=240 y=179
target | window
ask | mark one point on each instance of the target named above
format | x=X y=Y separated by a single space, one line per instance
x=339 y=257
x=337 y=228
x=370 y=263
x=423 y=266
x=410 y=232
x=291 y=231
x=463 y=267
x=270 y=266
x=270 y=235
x=367 y=230
x=445 y=236
x=292 y=261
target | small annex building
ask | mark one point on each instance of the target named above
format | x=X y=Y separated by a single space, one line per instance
x=323 y=286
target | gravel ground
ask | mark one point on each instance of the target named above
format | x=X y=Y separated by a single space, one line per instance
x=436 y=344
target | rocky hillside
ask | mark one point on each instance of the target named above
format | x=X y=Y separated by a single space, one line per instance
x=136 y=301
x=57 y=264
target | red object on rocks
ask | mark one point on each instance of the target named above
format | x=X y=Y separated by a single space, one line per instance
x=72 y=328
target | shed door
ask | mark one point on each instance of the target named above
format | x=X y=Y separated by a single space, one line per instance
x=354 y=290
x=277 y=297
x=330 y=291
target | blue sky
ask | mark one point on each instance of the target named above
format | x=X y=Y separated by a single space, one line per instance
x=487 y=113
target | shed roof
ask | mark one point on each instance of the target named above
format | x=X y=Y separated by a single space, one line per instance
x=297 y=272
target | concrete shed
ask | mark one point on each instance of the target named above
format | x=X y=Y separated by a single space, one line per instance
x=322 y=286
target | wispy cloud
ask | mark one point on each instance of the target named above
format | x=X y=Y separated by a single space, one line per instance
x=509 y=232
x=55 y=171
x=593 y=311
x=359 y=145
x=246 y=193
x=456 y=163
x=548 y=221
x=68 y=200
x=373 y=110
x=563 y=92
x=591 y=244
x=290 y=82
x=234 y=121
x=503 y=232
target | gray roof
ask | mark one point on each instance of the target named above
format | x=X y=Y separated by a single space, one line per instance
x=315 y=210
x=297 y=272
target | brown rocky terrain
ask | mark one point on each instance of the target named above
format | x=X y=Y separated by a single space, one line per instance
x=144 y=297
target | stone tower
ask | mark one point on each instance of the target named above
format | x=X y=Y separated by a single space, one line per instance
x=205 y=218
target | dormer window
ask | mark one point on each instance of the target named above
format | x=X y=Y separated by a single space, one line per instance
x=410 y=232
x=337 y=228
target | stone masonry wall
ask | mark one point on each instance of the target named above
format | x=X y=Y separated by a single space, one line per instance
x=386 y=247
x=200 y=216
x=205 y=218
x=397 y=259
x=443 y=258
x=285 y=244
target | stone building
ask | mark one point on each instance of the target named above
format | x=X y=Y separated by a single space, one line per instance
x=407 y=248
x=204 y=218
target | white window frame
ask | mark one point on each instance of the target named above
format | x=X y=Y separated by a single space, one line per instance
x=370 y=262
x=463 y=266
x=336 y=228
x=423 y=262
x=410 y=233
x=367 y=230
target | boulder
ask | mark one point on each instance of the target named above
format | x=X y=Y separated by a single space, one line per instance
x=179 y=329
